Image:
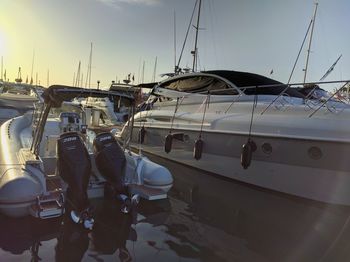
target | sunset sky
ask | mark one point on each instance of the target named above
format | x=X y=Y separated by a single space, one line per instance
x=244 y=35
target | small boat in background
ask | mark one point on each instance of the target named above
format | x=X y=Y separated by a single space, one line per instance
x=16 y=99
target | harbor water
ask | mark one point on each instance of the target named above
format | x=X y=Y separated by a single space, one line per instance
x=206 y=218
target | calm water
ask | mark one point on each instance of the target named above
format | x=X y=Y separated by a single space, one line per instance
x=204 y=219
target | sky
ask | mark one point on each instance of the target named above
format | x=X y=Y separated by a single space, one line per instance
x=128 y=36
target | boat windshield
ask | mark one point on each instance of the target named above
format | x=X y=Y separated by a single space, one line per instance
x=199 y=84
x=56 y=111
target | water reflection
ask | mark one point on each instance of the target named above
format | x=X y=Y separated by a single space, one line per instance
x=112 y=230
x=25 y=237
x=221 y=220
x=205 y=219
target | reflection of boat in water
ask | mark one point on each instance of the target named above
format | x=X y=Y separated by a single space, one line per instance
x=217 y=219
x=250 y=128
x=16 y=99
x=27 y=238
x=64 y=140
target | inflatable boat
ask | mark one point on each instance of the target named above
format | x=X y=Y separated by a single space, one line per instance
x=61 y=152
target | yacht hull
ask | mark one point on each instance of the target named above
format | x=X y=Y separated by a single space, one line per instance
x=306 y=168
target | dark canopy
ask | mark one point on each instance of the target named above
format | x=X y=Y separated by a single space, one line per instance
x=197 y=83
x=265 y=85
x=56 y=94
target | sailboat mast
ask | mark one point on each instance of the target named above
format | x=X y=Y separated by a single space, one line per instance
x=48 y=78
x=77 y=79
x=88 y=74
x=194 y=67
x=31 y=73
x=154 y=70
x=309 y=47
x=175 y=68
x=143 y=73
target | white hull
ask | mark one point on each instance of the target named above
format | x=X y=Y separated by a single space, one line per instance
x=313 y=183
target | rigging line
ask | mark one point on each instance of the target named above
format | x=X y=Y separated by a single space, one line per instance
x=172 y=120
x=335 y=93
x=291 y=74
x=331 y=68
x=188 y=30
x=234 y=100
x=324 y=76
x=255 y=102
x=207 y=101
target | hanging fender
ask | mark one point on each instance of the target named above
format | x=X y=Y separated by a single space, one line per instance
x=142 y=133
x=198 y=148
x=168 y=143
x=246 y=153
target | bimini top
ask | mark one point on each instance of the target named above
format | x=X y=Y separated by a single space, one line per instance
x=56 y=94
x=124 y=88
x=225 y=82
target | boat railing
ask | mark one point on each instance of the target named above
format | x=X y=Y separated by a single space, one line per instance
x=312 y=100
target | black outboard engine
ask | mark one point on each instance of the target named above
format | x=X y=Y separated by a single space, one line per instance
x=110 y=161
x=74 y=166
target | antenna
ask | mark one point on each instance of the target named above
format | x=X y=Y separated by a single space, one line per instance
x=195 y=51
x=309 y=47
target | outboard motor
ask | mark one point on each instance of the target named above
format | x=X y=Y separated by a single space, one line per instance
x=110 y=161
x=74 y=166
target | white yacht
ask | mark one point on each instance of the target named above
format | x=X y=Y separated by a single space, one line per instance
x=252 y=129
